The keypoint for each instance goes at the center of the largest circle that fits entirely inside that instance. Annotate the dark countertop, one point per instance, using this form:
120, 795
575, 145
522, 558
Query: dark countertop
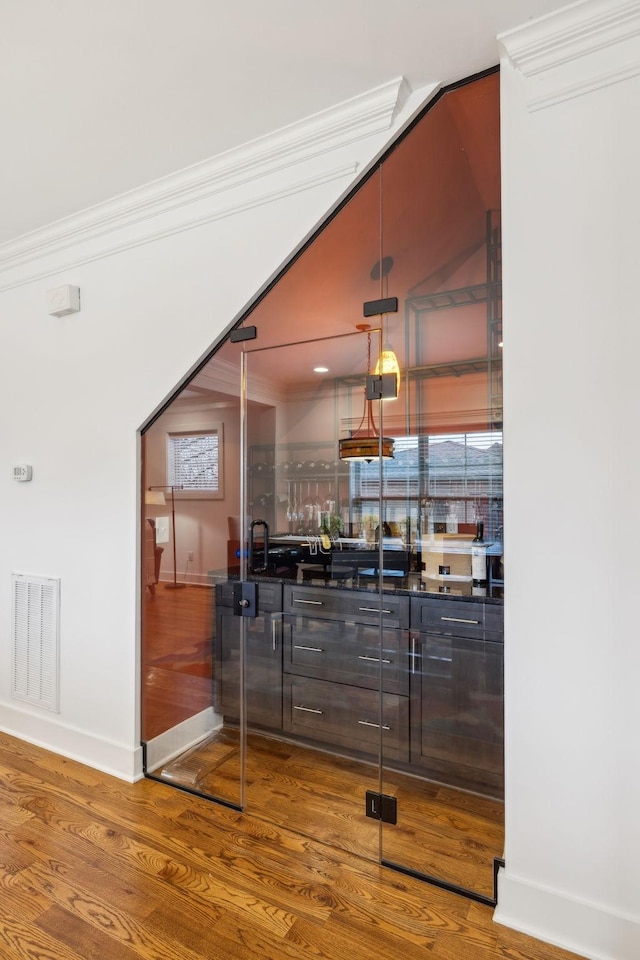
494, 594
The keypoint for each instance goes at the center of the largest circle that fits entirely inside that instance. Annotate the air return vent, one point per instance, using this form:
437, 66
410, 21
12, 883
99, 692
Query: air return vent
36, 622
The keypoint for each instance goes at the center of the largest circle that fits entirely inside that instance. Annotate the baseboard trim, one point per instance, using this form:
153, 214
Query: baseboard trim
576, 925
116, 759
170, 744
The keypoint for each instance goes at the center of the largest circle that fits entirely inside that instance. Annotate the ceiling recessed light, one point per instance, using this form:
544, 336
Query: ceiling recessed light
321, 369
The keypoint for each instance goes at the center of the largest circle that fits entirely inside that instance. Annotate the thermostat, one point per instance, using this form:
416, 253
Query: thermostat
22, 472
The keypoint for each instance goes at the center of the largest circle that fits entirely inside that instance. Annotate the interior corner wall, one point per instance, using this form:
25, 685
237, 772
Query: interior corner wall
571, 245
74, 392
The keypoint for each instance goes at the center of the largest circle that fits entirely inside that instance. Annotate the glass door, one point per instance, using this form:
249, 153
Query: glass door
354, 553
311, 639
191, 676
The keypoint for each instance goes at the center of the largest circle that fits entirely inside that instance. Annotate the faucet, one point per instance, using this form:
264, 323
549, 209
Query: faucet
252, 526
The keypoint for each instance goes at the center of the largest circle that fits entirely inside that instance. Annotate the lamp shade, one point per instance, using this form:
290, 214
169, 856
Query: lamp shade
365, 448
154, 498
388, 363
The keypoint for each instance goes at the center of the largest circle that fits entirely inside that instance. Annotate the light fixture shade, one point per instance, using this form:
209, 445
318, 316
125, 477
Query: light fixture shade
365, 449
154, 498
388, 363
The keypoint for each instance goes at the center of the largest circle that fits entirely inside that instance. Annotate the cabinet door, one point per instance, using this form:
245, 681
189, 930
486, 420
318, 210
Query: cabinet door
457, 712
263, 669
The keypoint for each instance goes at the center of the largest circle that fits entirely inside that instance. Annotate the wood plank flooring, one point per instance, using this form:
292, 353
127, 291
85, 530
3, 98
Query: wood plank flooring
177, 632
441, 831
92, 868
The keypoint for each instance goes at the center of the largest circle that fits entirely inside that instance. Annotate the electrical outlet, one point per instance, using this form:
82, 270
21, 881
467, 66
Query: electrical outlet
190, 555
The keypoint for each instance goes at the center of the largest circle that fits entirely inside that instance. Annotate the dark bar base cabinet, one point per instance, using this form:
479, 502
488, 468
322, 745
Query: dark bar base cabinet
457, 726
315, 665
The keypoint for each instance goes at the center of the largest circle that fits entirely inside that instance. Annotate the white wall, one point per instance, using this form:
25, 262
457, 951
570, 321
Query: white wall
161, 275
571, 231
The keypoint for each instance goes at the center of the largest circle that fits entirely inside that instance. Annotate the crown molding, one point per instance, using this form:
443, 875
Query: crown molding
579, 49
37, 267
360, 117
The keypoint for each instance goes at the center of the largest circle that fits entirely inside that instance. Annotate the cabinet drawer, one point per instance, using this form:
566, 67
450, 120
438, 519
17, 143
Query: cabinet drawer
353, 605
454, 618
347, 653
336, 713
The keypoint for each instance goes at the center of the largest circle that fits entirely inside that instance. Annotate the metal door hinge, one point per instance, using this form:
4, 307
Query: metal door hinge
243, 333
379, 806
381, 386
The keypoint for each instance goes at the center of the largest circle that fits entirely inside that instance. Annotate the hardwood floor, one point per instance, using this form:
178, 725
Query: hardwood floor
92, 868
177, 631
442, 832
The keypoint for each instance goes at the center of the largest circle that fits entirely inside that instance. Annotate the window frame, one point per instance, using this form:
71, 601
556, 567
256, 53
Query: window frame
196, 430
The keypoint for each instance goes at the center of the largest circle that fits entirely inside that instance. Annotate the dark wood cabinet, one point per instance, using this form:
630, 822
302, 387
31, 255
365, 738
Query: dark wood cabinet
430, 695
263, 673
457, 723
335, 665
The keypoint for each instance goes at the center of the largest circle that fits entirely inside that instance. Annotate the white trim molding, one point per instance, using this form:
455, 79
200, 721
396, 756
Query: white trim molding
204, 192
572, 924
579, 49
117, 759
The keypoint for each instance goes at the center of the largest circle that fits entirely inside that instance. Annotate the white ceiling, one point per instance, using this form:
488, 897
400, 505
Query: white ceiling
98, 97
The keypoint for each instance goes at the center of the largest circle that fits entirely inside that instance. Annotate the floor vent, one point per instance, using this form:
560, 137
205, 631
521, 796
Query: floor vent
36, 628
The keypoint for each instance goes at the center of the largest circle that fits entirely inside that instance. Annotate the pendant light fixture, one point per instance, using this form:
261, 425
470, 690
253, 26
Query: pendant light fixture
365, 444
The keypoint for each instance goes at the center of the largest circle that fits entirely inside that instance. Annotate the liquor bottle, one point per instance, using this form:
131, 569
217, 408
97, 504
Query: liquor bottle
479, 556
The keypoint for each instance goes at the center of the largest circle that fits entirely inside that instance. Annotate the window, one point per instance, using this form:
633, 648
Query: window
194, 462
442, 476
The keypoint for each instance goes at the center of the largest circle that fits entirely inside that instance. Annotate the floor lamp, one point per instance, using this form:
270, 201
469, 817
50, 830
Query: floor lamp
155, 496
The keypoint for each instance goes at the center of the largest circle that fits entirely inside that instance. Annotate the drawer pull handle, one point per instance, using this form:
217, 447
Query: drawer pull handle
314, 603
374, 659
373, 610
307, 709
299, 646
367, 723
460, 620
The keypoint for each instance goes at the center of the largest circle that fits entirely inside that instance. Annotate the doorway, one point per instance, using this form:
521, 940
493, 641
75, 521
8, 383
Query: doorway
347, 678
